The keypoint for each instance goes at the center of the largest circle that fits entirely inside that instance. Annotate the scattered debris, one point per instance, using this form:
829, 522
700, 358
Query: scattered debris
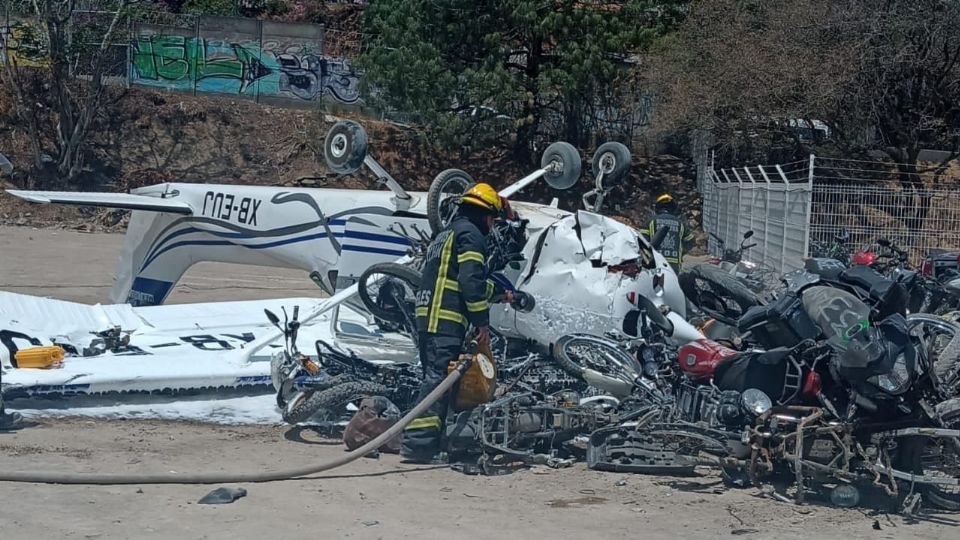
223, 495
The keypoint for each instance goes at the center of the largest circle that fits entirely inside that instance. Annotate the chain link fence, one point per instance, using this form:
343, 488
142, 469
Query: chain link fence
915, 206
793, 207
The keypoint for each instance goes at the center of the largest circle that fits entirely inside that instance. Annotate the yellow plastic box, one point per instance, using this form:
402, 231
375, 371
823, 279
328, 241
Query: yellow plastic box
39, 357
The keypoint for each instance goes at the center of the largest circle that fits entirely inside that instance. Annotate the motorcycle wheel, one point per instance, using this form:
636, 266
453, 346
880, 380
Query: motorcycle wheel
713, 290
443, 195
330, 401
368, 287
287, 394
941, 338
581, 354
934, 457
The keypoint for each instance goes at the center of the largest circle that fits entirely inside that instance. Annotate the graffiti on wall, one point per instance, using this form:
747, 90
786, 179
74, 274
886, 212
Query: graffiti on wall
208, 65
310, 76
23, 43
241, 67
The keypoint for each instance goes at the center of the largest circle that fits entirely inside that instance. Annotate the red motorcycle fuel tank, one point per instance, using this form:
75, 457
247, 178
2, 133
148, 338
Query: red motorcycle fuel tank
865, 258
698, 359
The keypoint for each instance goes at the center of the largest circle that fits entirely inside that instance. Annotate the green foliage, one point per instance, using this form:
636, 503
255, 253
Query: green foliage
462, 66
881, 78
211, 7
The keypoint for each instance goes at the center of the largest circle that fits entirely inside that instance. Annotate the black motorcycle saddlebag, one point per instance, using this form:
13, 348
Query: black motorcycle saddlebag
763, 370
888, 296
783, 323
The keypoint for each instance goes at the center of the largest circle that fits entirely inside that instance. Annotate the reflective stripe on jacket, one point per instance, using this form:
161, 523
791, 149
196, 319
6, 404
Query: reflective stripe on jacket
676, 242
454, 290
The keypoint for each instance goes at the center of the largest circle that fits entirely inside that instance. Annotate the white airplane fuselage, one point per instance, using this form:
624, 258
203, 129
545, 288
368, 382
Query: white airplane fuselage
339, 233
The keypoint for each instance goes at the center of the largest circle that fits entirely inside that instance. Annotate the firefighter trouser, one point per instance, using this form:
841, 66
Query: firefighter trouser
422, 438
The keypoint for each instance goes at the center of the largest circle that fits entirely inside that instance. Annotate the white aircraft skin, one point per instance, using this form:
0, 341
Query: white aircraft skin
338, 233
173, 347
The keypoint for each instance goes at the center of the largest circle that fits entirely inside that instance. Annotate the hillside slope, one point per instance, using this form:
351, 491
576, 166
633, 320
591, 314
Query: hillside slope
144, 137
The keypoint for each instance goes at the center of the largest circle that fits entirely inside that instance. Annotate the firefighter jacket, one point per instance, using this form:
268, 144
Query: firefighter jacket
455, 290
676, 242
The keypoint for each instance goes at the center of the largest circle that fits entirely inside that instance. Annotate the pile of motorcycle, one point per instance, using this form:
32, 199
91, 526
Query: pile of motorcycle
833, 388
541, 413
832, 384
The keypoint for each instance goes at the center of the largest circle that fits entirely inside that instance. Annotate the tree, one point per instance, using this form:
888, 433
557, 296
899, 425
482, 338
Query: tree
882, 75
80, 50
461, 66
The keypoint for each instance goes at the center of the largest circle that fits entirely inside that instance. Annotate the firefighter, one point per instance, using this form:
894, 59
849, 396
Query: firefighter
680, 237
454, 293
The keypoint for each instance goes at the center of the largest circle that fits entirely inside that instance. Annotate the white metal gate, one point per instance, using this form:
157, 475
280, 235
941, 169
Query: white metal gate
773, 201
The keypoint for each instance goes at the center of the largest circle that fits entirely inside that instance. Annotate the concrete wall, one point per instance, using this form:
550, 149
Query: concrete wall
266, 61
277, 63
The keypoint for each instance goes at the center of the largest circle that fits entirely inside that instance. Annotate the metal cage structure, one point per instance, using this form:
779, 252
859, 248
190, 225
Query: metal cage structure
791, 207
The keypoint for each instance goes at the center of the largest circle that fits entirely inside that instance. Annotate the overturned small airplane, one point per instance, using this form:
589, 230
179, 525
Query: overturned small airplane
583, 269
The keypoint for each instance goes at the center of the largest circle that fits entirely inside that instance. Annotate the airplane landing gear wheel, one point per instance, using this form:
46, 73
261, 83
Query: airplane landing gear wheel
613, 159
345, 147
563, 164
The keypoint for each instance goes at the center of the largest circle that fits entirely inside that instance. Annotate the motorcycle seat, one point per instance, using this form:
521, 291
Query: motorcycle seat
890, 297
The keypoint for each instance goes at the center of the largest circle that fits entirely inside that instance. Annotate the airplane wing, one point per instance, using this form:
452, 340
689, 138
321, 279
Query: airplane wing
174, 348
108, 200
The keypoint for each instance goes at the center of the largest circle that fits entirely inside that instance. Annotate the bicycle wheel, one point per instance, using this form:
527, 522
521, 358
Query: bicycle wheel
388, 291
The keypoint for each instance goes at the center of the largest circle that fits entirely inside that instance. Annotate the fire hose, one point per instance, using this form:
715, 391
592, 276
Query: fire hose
54, 477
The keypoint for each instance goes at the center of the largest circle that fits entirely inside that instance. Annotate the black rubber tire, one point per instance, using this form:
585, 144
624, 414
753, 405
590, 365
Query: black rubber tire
571, 366
345, 147
947, 362
947, 366
619, 169
572, 165
331, 399
440, 186
399, 271
910, 459
333, 381
722, 283
949, 413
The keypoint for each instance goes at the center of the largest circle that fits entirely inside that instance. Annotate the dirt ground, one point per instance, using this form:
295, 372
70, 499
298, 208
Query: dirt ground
369, 498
